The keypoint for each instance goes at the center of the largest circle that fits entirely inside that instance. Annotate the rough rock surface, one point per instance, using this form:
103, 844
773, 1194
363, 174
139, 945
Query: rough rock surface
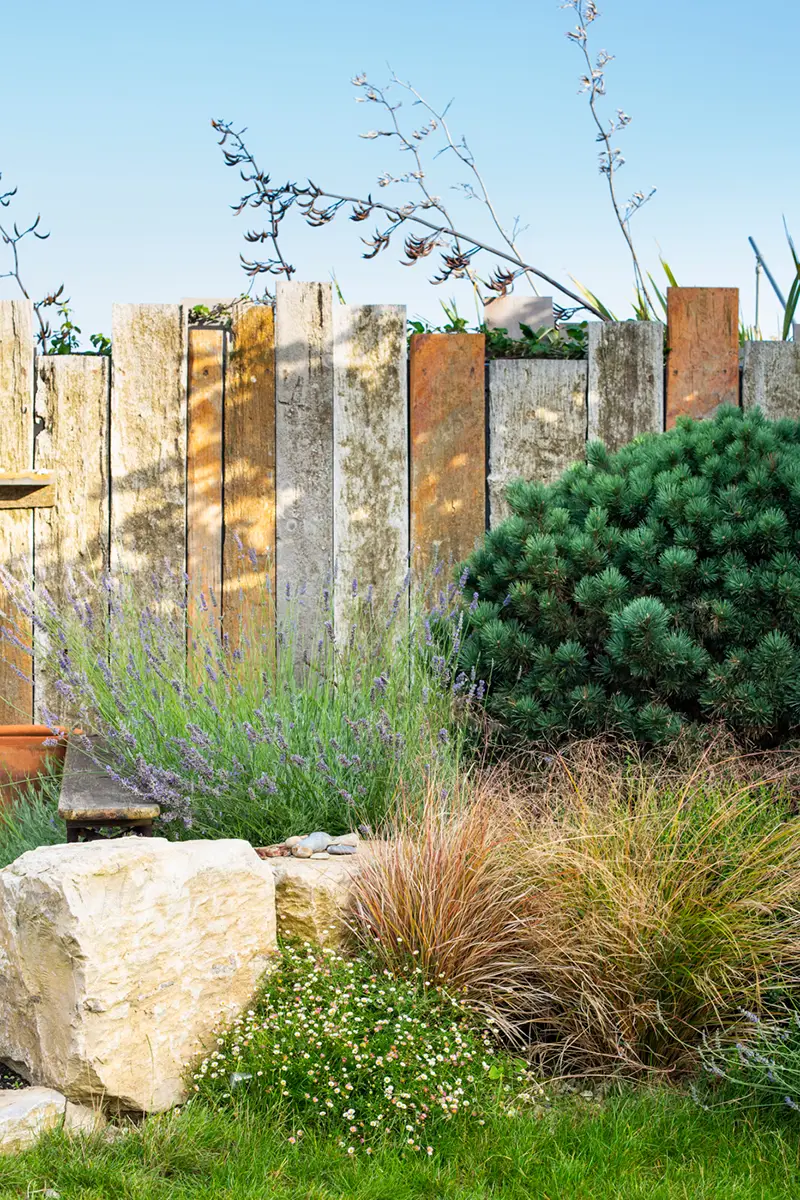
312, 895
119, 959
26, 1114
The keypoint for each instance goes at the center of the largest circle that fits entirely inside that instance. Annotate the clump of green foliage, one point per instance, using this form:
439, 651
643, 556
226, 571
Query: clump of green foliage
647, 589
342, 1046
563, 341
30, 818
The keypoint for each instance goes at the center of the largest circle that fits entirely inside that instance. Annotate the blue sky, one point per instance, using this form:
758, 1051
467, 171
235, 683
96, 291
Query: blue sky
107, 133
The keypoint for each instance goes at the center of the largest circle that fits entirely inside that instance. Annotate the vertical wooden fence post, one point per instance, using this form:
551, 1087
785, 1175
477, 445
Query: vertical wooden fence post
537, 423
249, 501
16, 525
148, 441
204, 474
771, 378
72, 397
304, 449
703, 354
448, 445
370, 452
626, 380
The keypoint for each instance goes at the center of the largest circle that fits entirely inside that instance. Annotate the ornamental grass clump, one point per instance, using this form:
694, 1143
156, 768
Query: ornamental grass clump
253, 729
648, 589
343, 1046
609, 912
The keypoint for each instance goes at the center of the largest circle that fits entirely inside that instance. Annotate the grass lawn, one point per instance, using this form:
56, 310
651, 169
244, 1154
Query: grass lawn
651, 1145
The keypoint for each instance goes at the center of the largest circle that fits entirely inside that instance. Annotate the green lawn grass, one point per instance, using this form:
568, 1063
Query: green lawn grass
649, 1145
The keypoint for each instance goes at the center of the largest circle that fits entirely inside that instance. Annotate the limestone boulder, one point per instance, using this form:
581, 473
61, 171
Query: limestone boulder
26, 1114
312, 895
120, 959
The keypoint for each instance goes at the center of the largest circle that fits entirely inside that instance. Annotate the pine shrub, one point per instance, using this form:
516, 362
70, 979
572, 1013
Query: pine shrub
648, 589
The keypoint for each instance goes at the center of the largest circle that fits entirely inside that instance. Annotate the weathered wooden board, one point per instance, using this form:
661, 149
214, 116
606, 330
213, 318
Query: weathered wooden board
771, 378
703, 351
148, 440
537, 423
204, 474
304, 449
249, 502
16, 526
626, 380
448, 445
72, 399
370, 453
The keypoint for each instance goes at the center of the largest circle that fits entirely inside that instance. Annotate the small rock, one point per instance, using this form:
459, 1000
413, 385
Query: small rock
320, 854
311, 844
26, 1114
293, 841
348, 839
273, 851
340, 848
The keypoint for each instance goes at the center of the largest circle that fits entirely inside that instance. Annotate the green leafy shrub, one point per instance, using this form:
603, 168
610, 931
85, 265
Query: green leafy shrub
649, 588
344, 1047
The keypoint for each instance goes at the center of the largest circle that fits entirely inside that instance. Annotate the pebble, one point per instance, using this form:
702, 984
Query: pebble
312, 844
342, 848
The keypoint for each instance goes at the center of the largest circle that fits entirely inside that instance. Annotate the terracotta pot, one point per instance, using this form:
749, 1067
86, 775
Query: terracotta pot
25, 755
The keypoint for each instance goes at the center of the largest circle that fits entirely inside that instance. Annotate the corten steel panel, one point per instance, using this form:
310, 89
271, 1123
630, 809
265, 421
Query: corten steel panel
448, 445
204, 473
249, 501
703, 358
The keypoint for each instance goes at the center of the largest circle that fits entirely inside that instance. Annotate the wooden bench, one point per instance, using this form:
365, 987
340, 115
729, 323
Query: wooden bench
93, 805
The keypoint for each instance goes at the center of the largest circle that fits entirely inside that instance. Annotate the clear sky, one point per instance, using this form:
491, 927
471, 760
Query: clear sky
106, 131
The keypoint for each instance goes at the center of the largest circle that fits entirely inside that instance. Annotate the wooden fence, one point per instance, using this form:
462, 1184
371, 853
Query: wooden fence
304, 434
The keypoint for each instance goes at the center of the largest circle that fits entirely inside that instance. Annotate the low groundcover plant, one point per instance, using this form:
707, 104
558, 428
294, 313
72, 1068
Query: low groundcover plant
342, 1046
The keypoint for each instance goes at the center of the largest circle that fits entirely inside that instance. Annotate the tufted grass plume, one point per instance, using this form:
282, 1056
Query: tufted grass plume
609, 910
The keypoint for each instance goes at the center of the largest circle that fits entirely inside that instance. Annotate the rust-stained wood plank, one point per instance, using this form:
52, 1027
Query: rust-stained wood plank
448, 445
370, 453
249, 501
626, 380
537, 423
304, 450
72, 398
771, 378
16, 526
204, 474
148, 440
703, 351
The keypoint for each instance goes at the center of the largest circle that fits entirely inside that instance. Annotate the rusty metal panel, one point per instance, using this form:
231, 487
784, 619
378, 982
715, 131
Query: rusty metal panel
703, 351
448, 445
249, 501
204, 472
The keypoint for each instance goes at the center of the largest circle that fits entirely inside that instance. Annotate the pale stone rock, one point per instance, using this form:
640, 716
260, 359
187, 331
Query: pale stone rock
119, 959
26, 1113
312, 895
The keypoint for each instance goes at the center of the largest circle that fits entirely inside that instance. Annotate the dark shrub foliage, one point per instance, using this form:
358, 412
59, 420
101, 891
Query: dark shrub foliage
648, 588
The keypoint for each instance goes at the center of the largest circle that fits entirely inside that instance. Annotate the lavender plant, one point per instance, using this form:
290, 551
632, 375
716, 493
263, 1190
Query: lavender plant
762, 1069
244, 735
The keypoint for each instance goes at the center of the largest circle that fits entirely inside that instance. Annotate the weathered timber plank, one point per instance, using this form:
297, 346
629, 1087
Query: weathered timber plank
72, 398
16, 526
626, 380
703, 354
448, 445
370, 453
771, 378
537, 423
507, 312
204, 474
249, 501
304, 449
148, 440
